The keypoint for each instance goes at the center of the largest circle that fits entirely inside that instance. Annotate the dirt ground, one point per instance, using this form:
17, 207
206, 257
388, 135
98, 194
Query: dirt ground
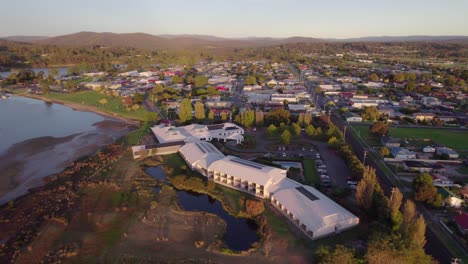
119, 220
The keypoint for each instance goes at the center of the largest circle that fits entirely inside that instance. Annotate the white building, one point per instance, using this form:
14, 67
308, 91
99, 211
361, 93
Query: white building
281, 97
311, 211
196, 132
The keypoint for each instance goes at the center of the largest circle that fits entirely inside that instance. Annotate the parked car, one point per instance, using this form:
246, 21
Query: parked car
322, 166
352, 187
317, 156
284, 155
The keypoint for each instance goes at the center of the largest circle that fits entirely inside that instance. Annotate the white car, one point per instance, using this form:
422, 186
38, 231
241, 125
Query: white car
284, 155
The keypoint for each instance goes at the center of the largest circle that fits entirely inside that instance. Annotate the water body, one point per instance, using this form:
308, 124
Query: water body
38, 139
24, 118
61, 70
289, 164
240, 234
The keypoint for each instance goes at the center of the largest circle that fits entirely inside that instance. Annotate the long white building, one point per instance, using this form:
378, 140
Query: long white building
196, 132
311, 211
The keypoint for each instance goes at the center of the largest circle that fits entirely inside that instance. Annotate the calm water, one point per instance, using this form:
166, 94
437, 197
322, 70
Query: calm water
240, 233
61, 71
25, 118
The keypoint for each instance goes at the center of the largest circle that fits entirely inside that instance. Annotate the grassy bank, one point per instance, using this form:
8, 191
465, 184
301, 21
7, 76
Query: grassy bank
90, 98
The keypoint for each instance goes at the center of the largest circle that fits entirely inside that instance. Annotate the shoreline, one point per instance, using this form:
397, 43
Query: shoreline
81, 108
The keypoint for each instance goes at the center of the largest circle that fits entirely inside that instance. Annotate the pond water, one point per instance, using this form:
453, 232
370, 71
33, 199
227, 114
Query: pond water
240, 234
288, 164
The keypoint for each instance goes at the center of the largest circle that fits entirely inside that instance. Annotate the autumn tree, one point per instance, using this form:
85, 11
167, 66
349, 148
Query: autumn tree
138, 98
199, 111
379, 129
185, 110
366, 187
370, 113
340, 254
259, 118
248, 118
394, 204
200, 81
277, 117
374, 77
250, 80
211, 115
310, 130
384, 151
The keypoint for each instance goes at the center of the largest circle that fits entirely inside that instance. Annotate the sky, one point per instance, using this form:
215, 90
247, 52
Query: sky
238, 18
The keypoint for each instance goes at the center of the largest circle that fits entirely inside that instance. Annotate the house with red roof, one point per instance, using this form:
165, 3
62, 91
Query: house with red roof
462, 222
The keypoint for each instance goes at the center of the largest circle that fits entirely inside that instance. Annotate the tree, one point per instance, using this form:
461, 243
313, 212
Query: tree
199, 111
341, 254
370, 113
399, 77
419, 232
177, 79
410, 87
424, 189
151, 116
271, 130
379, 129
384, 151
409, 216
138, 98
296, 129
259, 118
310, 130
285, 137
53, 72
45, 87
366, 187
277, 117
394, 204
410, 76
250, 80
374, 77
200, 81
223, 116
211, 115
248, 118
185, 110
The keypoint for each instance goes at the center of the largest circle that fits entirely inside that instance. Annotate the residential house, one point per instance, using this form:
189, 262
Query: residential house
390, 142
403, 154
424, 116
452, 154
352, 117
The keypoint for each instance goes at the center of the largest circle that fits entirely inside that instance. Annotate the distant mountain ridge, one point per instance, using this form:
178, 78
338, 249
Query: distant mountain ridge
148, 41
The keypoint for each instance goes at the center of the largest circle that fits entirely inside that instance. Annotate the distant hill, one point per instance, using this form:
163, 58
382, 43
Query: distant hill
185, 41
405, 39
147, 41
25, 39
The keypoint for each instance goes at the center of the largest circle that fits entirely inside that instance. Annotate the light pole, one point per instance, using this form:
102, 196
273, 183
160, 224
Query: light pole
344, 133
364, 160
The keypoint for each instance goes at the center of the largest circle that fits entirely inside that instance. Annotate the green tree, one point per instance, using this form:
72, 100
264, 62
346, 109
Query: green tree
296, 129
177, 79
248, 118
138, 98
185, 110
310, 130
341, 254
285, 137
379, 129
224, 116
53, 72
250, 80
399, 77
151, 116
199, 111
370, 113
45, 87
200, 81
424, 189
211, 115
272, 130
410, 87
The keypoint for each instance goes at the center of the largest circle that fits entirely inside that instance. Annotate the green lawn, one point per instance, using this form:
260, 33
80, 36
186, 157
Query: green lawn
450, 138
114, 104
310, 173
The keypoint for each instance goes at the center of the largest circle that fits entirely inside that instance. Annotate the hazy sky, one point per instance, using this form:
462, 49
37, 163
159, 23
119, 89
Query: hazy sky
238, 18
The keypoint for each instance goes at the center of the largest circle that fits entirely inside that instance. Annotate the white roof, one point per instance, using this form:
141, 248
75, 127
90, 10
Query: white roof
200, 153
314, 210
248, 170
166, 134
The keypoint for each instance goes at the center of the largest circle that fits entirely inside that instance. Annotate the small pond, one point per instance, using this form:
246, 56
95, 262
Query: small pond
240, 234
288, 164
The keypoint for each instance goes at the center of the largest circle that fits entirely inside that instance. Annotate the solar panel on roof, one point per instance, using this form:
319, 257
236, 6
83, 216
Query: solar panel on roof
248, 163
215, 127
306, 193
